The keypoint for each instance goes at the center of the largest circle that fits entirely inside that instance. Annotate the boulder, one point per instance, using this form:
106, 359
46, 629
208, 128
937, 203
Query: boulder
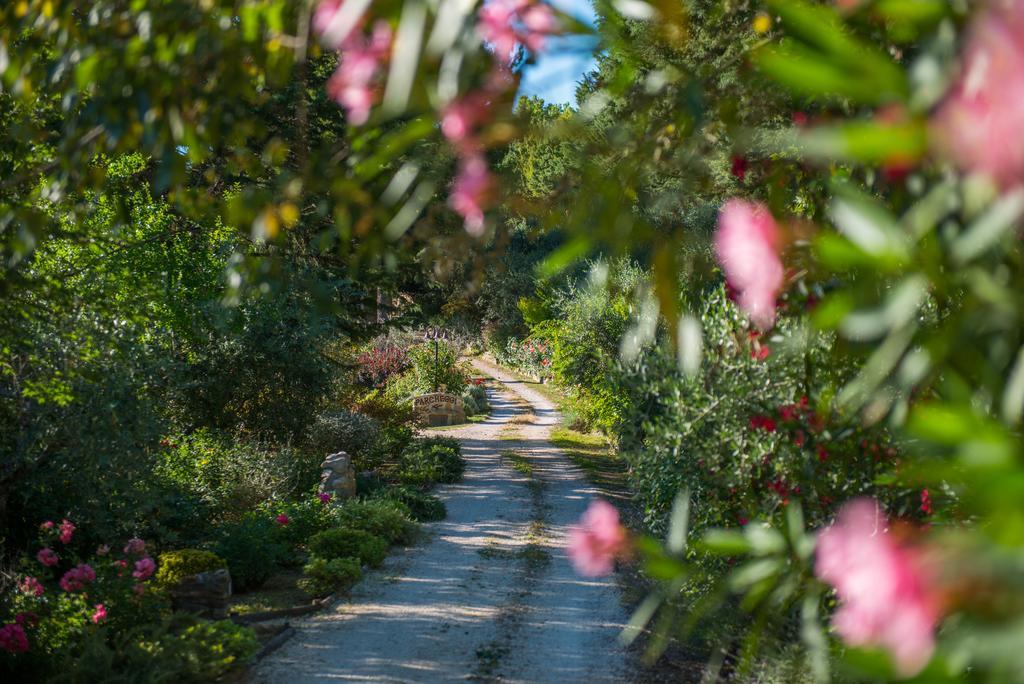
338, 477
206, 594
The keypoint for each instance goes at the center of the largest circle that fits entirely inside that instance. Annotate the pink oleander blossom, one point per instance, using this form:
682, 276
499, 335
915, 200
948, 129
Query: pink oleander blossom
135, 547
47, 557
353, 85
328, 25
747, 246
13, 638
30, 586
506, 24
99, 613
76, 578
596, 541
978, 126
471, 192
882, 585
144, 569
67, 529
461, 117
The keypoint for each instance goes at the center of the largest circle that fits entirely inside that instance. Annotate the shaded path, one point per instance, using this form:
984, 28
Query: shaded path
488, 595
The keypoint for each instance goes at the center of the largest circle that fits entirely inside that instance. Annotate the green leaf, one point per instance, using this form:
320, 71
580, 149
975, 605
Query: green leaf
725, 542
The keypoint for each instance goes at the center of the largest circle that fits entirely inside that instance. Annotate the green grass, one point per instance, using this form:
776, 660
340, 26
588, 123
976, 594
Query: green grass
519, 462
595, 456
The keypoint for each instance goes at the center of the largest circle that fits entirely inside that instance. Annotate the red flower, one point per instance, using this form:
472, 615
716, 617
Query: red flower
926, 502
282, 519
822, 453
739, 167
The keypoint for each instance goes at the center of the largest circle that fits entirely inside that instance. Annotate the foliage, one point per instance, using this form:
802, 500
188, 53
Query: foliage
422, 507
381, 518
323, 576
175, 566
380, 362
346, 431
435, 367
252, 549
431, 460
339, 542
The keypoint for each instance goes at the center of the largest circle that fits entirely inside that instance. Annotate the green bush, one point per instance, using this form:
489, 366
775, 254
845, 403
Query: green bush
175, 566
438, 372
252, 548
342, 431
387, 519
324, 576
431, 460
306, 517
390, 442
340, 542
422, 506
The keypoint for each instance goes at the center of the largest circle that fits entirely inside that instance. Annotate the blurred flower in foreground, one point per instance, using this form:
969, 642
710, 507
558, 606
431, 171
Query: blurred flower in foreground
979, 124
470, 191
353, 84
596, 541
508, 23
882, 586
746, 245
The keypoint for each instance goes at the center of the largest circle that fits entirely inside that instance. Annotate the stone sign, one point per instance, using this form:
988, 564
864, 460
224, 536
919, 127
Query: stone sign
438, 408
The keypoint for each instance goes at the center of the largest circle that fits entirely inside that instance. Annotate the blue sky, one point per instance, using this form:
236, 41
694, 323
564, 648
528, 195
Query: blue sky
563, 63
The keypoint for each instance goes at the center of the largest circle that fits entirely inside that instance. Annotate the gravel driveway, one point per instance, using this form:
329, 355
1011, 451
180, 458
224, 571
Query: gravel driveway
488, 594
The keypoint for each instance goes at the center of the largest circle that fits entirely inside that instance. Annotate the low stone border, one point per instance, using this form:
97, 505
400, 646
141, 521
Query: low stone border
294, 611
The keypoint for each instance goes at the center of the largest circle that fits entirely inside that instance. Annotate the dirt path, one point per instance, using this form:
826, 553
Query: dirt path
489, 594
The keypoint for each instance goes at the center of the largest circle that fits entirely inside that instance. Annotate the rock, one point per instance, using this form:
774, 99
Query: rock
338, 477
206, 594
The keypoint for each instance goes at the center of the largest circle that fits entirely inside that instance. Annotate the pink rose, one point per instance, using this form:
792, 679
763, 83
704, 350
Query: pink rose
282, 519
883, 587
470, 193
747, 246
144, 569
99, 614
31, 587
48, 525
47, 557
597, 540
13, 639
67, 528
979, 123
135, 547
76, 578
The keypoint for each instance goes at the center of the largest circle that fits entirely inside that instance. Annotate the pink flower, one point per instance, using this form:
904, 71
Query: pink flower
144, 569
979, 124
47, 557
505, 24
135, 547
76, 578
282, 519
882, 586
746, 245
67, 528
470, 193
13, 639
462, 116
353, 83
48, 525
325, 25
31, 587
100, 614
324, 497
597, 540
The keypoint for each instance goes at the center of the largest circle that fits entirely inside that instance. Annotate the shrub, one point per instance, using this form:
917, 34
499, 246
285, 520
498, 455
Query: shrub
440, 371
175, 566
422, 507
252, 549
388, 412
369, 483
381, 362
340, 542
306, 517
390, 443
431, 460
343, 431
469, 405
324, 576
387, 519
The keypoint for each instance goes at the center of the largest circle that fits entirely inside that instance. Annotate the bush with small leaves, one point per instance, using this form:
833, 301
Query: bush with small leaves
324, 576
340, 542
177, 565
427, 461
422, 506
387, 519
252, 549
